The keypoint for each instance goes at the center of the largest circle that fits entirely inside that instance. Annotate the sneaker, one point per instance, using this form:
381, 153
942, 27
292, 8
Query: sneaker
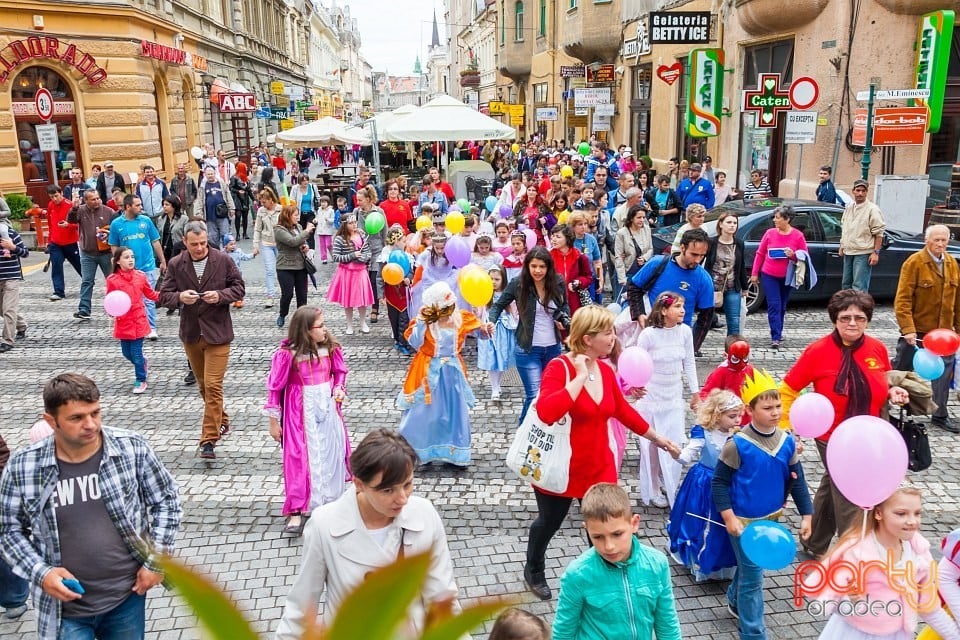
224, 430
190, 378
364, 328
660, 501
268, 304
407, 350
55, 297
21, 334
207, 452
153, 336
139, 387
349, 330
80, 315
732, 610
4, 347
15, 612
280, 321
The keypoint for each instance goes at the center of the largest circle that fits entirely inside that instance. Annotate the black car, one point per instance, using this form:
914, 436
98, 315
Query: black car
820, 224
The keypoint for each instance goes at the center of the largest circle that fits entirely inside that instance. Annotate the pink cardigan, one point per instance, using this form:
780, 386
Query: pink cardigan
773, 239
879, 589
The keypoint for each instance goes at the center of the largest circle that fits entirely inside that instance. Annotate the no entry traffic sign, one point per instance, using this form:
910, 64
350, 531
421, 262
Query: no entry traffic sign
804, 93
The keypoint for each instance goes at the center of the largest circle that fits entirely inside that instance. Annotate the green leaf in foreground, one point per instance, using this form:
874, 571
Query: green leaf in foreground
213, 608
375, 608
465, 622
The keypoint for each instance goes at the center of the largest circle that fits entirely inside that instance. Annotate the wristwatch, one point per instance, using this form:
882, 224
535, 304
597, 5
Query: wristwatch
876, 251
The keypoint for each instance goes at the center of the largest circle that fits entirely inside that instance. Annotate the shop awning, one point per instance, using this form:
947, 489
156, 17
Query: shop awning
217, 87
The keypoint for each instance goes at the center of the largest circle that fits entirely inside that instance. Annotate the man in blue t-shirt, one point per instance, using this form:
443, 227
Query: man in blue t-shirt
683, 274
696, 189
138, 233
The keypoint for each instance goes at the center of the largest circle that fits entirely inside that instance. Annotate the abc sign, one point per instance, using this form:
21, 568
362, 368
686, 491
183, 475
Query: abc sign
237, 102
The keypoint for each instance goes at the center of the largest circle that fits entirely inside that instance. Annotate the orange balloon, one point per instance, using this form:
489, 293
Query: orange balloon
392, 273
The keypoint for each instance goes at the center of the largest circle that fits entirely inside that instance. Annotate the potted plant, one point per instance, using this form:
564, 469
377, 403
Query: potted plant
470, 76
19, 205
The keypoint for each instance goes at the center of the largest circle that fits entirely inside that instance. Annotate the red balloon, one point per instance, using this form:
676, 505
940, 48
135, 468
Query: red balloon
942, 342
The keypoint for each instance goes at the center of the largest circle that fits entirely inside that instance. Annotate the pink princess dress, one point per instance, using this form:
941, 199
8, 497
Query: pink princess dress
316, 448
350, 286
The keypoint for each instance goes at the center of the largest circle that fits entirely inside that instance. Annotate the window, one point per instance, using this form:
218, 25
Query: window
518, 36
801, 221
503, 22
540, 93
830, 221
542, 29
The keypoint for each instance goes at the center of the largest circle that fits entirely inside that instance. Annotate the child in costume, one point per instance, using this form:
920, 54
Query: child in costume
892, 533
670, 344
948, 573
501, 241
397, 295
732, 372
758, 468
513, 263
432, 267
497, 354
483, 254
436, 398
704, 546
350, 286
306, 387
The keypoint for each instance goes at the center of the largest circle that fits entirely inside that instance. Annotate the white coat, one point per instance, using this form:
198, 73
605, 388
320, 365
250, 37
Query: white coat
338, 553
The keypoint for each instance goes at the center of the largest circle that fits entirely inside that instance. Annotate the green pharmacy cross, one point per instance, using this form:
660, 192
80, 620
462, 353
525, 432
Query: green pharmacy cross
767, 100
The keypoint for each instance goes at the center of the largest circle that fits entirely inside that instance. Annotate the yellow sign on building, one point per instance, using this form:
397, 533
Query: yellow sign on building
497, 108
276, 88
286, 124
516, 119
516, 111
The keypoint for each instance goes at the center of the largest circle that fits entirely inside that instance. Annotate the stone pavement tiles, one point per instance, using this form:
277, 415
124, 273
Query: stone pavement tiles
231, 525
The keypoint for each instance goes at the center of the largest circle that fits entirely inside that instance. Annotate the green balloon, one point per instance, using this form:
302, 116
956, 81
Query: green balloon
374, 222
584, 149
464, 205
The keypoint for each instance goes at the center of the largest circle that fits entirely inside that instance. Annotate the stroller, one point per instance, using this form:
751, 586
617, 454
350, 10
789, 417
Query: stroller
904, 417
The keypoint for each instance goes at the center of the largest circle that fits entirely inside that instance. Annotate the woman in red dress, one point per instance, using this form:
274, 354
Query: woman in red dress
532, 210
584, 387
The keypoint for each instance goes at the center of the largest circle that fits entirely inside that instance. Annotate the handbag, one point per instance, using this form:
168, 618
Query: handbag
540, 452
918, 444
222, 211
585, 299
309, 266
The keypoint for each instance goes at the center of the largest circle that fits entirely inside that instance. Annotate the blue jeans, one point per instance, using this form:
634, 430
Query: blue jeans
133, 351
59, 253
745, 594
88, 275
216, 229
731, 311
530, 366
150, 304
13, 589
856, 272
777, 293
126, 621
269, 268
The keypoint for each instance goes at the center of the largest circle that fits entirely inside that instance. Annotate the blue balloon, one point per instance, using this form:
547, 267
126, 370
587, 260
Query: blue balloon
928, 366
491, 203
768, 544
400, 259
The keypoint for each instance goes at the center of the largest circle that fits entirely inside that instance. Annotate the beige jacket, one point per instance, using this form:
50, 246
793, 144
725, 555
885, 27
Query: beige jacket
861, 223
263, 227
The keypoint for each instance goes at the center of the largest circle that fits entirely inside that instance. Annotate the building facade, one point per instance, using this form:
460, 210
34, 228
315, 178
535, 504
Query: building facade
324, 63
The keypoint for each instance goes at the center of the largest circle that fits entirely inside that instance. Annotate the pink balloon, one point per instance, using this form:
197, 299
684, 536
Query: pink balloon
458, 252
116, 303
811, 415
867, 460
40, 430
635, 366
531, 237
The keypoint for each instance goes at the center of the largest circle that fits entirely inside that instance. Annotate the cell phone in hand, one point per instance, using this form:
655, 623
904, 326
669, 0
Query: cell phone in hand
74, 585
779, 253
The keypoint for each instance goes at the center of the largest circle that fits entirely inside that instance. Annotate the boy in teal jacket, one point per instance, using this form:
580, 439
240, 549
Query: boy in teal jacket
619, 589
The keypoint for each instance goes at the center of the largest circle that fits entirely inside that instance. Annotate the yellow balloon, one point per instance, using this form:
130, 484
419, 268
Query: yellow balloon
515, 148
455, 222
466, 271
928, 634
566, 171
424, 222
477, 288
562, 218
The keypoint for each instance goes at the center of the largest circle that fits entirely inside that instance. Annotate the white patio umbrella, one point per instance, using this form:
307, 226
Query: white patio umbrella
445, 118
387, 119
324, 131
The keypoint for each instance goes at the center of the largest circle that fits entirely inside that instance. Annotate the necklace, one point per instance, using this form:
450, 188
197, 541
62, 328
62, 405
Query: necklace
591, 377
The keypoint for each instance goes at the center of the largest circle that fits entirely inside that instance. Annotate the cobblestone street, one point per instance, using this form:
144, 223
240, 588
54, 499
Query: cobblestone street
232, 523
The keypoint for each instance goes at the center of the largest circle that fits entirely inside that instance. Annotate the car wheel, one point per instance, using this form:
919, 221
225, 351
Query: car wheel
754, 298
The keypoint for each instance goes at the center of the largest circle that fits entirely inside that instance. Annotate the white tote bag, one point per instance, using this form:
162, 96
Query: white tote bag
540, 452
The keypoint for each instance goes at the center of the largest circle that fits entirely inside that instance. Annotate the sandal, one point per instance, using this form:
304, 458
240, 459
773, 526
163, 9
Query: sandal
294, 528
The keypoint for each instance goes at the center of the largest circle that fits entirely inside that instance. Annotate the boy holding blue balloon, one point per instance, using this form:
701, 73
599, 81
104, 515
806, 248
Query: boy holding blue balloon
758, 468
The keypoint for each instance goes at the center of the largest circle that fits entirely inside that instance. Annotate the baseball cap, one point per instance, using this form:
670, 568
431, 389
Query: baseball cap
108, 163
861, 183
708, 159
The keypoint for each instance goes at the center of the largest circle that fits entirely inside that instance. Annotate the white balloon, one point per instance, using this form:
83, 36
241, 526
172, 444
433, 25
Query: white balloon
196, 152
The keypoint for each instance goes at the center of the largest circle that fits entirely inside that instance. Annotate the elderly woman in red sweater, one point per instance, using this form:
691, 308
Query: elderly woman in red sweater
584, 387
571, 264
850, 369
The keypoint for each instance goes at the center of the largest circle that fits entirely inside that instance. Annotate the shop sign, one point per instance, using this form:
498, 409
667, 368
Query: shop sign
295, 93
934, 39
276, 88
279, 114
47, 137
516, 119
680, 27
705, 93
670, 74
65, 108
591, 97
600, 123
891, 126
801, 127
262, 112
576, 117
606, 110
309, 115
547, 114
643, 37
768, 100
497, 108
602, 74
172, 55
287, 123
237, 102
516, 110
49, 48
573, 71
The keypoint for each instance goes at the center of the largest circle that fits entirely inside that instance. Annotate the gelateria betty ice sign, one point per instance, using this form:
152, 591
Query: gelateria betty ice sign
22, 51
705, 93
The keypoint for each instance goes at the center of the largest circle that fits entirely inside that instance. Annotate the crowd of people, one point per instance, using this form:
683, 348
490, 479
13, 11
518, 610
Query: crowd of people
565, 233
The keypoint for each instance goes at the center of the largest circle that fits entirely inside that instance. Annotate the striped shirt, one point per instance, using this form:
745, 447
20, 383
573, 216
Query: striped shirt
10, 258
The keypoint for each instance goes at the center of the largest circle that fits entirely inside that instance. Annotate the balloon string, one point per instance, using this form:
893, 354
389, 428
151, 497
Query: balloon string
863, 527
707, 519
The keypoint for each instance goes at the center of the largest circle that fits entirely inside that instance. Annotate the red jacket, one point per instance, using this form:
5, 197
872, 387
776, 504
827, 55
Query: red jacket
61, 236
447, 190
573, 267
133, 324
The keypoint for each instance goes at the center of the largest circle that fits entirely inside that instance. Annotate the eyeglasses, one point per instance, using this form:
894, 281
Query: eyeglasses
847, 319
394, 189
